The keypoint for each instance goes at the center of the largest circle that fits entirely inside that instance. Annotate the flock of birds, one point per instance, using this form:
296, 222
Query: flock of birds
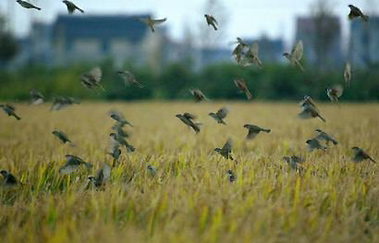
243, 54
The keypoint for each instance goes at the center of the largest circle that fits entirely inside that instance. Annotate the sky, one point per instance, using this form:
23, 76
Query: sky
244, 18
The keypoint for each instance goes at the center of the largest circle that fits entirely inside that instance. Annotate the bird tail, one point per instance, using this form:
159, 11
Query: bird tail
267, 130
37, 8
334, 142
17, 117
248, 95
214, 27
81, 10
300, 66
322, 118
372, 160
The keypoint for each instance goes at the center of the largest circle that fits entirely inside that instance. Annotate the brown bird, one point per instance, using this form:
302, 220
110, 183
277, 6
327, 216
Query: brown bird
239, 50
92, 79
9, 179
324, 136
254, 131
187, 118
347, 73
36, 97
103, 175
314, 144
71, 7
151, 22
72, 164
294, 162
129, 78
220, 115
198, 95
295, 55
309, 109
10, 110
232, 177
360, 155
356, 13
62, 102
335, 92
27, 5
226, 150
242, 86
211, 21
253, 55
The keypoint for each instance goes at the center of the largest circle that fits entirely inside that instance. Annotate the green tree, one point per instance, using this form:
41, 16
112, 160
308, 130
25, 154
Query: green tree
8, 45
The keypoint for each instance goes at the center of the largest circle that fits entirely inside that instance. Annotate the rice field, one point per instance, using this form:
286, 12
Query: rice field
191, 198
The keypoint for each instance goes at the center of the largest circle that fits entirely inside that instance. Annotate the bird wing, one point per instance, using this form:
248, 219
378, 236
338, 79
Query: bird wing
255, 49
222, 113
297, 52
189, 116
158, 21
306, 113
252, 133
105, 173
96, 74
213, 19
68, 169
228, 145
338, 90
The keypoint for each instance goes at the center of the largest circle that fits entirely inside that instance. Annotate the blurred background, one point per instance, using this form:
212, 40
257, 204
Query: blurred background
48, 50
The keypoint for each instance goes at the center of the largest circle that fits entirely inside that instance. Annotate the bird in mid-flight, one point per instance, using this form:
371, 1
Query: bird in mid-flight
198, 95
187, 118
220, 115
335, 92
27, 5
226, 150
356, 13
129, 78
9, 179
151, 22
314, 144
347, 73
242, 86
72, 164
254, 131
232, 176
252, 55
10, 110
360, 155
309, 109
98, 181
119, 117
326, 137
296, 54
36, 97
92, 79
211, 21
63, 137
71, 7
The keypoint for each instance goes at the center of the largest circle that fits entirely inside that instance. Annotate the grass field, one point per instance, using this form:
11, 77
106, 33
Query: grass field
191, 199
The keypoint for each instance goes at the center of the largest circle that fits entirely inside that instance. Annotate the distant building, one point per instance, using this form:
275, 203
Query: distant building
270, 50
364, 42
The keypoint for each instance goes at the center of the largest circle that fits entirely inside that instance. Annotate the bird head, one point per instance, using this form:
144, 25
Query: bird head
218, 150
286, 54
246, 126
318, 130
178, 115
230, 172
65, 1
91, 178
4, 173
350, 6
309, 141
55, 132
355, 148
19, 1
113, 135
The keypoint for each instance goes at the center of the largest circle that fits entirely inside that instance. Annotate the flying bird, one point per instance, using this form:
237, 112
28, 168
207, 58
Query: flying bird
326, 137
313, 144
62, 102
10, 110
118, 129
226, 150
239, 50
114, 138
9, 179
294, 162
115, 152
71, 7
151, 22
220, 115
347, 73
335, 92
36, 97
129, 79
232, 176
72, 164
98, 181
211, 21
92, 79
198, 95
187, 119
253, 55
360, 155
27, 5
119, 117
242, 86
309, 109
356, 13
63, 137
296, 54
254, 131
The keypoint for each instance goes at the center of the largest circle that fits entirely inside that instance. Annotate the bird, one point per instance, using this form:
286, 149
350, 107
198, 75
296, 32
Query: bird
347, 73
114, 138
9, 179
71, 7
92, 79
324, 136
309, 109
187, 119
308, 101
226, 150
231, 175
103, 175
220, 115
115, 152
356, 13
360, 155
63, 137
335, 92
119, 117
151, 22
72, 164
198, 95
254, 131
314, 144
27, 5
62, 102
294, 162
152, 170
239, 50
129, 78
36, 97
296, 54
253, 55
242, 86
10, 110
118, 129
211, 21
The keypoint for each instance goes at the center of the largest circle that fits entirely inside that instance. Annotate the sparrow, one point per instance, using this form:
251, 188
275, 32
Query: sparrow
114, 138
220, 115
118, 129
335, 92
254, 130
211, 21
347, 73
239, 50
295, 55
103, 175
62, 102
309, 109
151, 22
115, 152
72, 164
27, 5
187, 118
253, 55
356, 13
232, 177
242, 86
294, 162
314, 144
129, 78
119, 117
152, 170
9, 179
198, 95
324, 136
63, 137
71, 7
307, 101
92, 79
36, 97
360, 155
226, 150
10, 110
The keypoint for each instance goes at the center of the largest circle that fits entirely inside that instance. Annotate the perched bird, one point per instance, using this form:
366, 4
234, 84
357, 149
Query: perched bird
356, 13
295, 55
27, 5
239, 50
9, 179
92, 79
211, 21
119, 117
314, 144
335, 92
129, 78
242, 86
62, 102
103, 175
10, 110
253, 55
254, 131
198, 95
187, 118
72, 164
151, 22
71, 7
294, 162
152, 170
36, 97
232, 177
220, 115
347, 73
226, 150
63, 137
326, 137
309, 109
360, 155
114, 138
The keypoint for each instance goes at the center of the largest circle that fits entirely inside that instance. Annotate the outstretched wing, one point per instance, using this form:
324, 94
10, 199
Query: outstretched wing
213, 19
297, 52
158, 21
222, 113
228, 145
96, 74
338, 90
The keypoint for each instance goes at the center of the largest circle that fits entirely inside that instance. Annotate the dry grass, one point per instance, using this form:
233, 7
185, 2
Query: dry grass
191, 199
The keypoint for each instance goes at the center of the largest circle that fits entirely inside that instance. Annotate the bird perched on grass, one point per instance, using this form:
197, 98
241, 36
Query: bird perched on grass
226, 150
347, 73
63, 137
187, 119
242, 86
313, 144
91, 79
152, 170
254, 131
239, 50
356, 13
294, 162
211, 21
129, 79
309, 109
198, 95
252, 55
27, 5
98, 181
10, 110
71, 7
72, 164
360, 155
232, 177
9, 179
220, 115
62, 102
335, 92
36, 97
151, 23
326, 137
114, 138
296, 54
119, 117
